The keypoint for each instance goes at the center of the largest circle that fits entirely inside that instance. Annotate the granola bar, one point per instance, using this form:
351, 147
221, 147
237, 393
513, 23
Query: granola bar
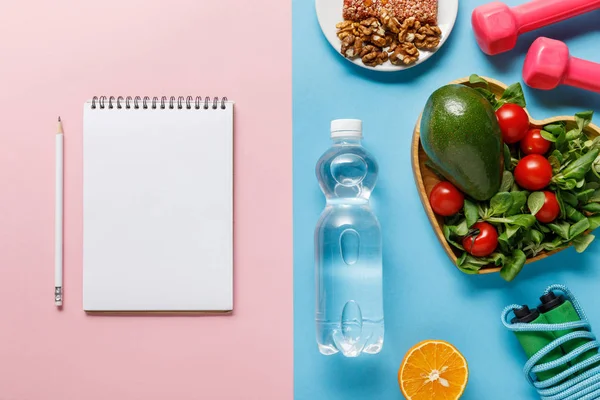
424, 11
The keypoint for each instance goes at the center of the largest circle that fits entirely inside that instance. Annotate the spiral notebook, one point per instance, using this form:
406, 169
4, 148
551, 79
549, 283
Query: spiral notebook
158, 204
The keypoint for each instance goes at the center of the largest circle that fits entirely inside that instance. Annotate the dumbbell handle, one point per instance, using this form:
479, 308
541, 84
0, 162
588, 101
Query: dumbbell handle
538, 13
583, 74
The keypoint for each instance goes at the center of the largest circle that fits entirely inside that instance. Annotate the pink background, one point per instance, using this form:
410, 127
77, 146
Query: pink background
54, 56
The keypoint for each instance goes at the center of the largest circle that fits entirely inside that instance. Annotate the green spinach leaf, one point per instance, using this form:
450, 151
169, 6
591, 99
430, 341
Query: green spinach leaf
452, 231
594, 208
449, 237
594, 222
568, 184
471, 213
507, 158
595, 197
519, 200
582, 242
555, 163
561, 228
555, 129
569, 198
583, 119
555, 244
573, 214
498, 259
573, 134
558, 156
501, 203
475, 79
489, 96
548, 136
543, 228
536, 201
469, 269
514, 94
523, 220
482, 261
504, 242
584, 195
507, 181
577, 169
511, 230
561, 205
513, 265
578, 228
534, 236
561, 140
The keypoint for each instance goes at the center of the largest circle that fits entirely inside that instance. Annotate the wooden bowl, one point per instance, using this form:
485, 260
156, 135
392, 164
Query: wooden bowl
426, 179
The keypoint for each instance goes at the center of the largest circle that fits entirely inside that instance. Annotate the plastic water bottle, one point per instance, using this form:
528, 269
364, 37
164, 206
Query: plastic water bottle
349, 315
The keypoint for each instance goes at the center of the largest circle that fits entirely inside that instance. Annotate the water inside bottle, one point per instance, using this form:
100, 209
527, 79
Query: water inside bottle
349, 314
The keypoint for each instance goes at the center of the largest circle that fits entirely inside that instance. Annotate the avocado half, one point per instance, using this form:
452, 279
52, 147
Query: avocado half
461, 136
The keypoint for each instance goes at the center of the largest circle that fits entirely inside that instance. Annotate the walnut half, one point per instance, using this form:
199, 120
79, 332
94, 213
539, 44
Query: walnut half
428, 37
351, 46
404, 54
391, 23
409, 28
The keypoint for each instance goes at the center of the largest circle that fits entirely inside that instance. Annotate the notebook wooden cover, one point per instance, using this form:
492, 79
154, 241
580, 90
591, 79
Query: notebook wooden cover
158, 205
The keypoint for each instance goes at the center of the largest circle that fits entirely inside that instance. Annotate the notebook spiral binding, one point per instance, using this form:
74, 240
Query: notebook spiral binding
181, 102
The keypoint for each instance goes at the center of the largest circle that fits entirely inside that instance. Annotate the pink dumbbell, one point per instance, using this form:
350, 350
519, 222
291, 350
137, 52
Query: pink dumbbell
497, 26
548, 64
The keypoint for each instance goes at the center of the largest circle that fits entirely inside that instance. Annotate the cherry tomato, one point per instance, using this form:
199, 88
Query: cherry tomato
534, 143
483, 243
513, 121
446, 199
549, 212
533, 172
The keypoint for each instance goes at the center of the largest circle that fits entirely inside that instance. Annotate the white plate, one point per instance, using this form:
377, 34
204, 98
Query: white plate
329, 13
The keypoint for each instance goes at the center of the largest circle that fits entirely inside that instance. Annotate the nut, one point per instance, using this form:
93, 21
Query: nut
428, 37
372, 22
391, 23
377, 40
352, 47
409, 28
343, 25
348, 49
430, 30
390, 39
358, 45
370, 59
345, 28
404, 54
363, 30
368, 49
375, 58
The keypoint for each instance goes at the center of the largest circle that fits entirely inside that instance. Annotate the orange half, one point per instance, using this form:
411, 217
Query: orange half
433, 369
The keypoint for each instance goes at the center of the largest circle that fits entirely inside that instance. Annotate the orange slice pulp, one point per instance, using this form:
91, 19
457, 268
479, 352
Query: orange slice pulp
433, 369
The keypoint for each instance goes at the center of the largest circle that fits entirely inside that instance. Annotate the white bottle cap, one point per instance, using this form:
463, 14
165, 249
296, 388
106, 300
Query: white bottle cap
346, 128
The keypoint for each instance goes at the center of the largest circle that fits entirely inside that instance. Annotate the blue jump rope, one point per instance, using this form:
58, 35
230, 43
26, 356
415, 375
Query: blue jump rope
568, 366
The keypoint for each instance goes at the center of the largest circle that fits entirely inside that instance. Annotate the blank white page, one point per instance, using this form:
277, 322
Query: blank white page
158, 209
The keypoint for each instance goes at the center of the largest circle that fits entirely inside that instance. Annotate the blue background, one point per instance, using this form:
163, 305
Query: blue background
425, 296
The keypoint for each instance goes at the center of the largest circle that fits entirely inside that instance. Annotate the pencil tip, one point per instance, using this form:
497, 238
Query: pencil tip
59, 118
